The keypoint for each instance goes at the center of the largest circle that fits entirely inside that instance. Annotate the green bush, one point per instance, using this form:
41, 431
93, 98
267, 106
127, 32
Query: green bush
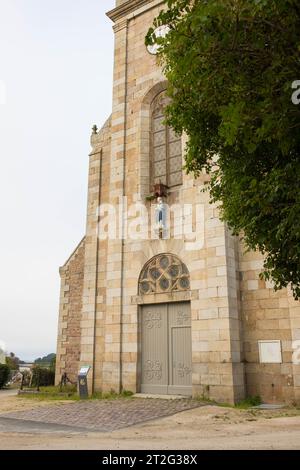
4, 374
249, 402
53, 364
42, 376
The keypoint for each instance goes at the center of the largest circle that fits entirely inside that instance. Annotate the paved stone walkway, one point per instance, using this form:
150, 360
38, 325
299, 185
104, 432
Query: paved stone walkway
104, 415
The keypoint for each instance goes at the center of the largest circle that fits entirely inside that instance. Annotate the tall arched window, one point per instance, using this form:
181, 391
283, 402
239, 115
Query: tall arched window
166, 147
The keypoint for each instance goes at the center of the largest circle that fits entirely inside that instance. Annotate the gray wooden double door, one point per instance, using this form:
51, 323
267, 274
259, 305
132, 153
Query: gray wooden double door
166, 349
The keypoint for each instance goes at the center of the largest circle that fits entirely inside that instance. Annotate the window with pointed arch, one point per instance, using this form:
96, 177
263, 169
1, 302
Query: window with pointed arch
166, 147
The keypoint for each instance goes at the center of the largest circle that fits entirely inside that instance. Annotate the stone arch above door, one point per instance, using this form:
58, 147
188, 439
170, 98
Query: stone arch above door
164, 273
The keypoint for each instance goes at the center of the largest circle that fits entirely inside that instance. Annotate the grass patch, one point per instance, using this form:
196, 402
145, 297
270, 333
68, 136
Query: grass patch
111, 395
206, 400
56, 389
245, 404
69, 392
242, 405
249, 403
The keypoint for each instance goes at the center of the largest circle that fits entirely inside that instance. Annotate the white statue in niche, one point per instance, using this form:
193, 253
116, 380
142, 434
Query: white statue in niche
161, 218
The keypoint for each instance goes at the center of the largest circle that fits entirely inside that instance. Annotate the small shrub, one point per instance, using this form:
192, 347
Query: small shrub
4, 374
42, 376
249, 402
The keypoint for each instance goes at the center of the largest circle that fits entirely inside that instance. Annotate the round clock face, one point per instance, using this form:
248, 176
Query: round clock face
160, 32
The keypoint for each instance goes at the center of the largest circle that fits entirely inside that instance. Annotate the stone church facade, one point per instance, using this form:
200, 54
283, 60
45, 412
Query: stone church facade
158, 312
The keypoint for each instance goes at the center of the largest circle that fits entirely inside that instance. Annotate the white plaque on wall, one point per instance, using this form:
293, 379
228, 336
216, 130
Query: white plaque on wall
270, 352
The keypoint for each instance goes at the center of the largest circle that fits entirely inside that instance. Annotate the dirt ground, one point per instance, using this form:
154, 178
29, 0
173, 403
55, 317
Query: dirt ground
208, 427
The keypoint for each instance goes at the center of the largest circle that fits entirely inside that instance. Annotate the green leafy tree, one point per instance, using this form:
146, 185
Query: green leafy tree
12, 361
53, 363
42, 376
231, 65
45, 359
4, 374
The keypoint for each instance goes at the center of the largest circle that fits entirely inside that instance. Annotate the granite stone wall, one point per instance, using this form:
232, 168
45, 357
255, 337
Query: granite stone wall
69, 330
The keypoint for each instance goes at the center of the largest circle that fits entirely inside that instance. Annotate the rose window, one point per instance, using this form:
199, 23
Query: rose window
164, 273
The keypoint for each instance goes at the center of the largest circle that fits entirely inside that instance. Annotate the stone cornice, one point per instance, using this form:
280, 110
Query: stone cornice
120, 25
126, 8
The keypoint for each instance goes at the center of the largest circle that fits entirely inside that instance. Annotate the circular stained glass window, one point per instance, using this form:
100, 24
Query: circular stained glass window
144, 287
155, 273
173, 270
164, 284
164, 262
184, 283
164, 273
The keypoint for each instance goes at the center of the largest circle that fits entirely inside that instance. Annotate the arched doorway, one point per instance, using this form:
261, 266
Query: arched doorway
166, 345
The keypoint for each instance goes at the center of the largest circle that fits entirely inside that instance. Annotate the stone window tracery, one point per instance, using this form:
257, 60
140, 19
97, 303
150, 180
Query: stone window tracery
164, 273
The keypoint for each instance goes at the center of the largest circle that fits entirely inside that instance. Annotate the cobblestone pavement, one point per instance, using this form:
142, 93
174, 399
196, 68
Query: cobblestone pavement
104, 415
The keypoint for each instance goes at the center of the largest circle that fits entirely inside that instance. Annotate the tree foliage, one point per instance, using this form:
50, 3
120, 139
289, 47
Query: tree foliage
42, 376
12, 361
53, 363
45, 359
4, 374
230, 65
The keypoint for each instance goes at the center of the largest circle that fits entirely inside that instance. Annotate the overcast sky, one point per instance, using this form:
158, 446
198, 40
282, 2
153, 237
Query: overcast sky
56, 61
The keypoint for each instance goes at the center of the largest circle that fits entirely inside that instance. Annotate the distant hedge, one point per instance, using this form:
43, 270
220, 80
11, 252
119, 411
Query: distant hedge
4, 374
42, 376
